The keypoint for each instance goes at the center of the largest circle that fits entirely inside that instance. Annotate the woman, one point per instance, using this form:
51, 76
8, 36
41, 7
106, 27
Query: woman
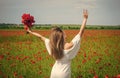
62, 52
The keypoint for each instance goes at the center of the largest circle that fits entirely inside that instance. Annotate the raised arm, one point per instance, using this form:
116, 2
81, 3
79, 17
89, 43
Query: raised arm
85, 15
36, 34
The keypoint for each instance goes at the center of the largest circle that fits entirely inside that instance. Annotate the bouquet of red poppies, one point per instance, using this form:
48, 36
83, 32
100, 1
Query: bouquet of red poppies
27, 20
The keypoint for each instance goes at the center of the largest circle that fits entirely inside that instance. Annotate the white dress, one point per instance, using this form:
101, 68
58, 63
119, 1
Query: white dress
62, 67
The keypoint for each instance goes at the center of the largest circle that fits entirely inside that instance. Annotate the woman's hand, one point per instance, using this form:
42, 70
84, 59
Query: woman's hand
85, 14
27, 28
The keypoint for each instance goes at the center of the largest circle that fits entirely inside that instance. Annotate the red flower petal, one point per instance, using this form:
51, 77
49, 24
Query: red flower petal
28, 20
84, 61
1, 57
106, 76
95, 76
118, 76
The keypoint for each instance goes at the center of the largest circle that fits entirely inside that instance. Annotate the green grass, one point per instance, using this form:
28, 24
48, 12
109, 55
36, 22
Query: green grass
25, 56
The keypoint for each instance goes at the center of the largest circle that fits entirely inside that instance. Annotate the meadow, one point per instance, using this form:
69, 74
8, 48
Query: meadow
25, 56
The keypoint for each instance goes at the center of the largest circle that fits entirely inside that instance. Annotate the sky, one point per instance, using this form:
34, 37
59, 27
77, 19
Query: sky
101, 12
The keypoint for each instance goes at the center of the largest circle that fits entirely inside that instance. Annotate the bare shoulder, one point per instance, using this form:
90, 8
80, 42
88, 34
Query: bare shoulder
68, 45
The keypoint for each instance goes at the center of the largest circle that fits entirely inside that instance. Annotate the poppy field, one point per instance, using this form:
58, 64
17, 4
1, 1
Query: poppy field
25, 56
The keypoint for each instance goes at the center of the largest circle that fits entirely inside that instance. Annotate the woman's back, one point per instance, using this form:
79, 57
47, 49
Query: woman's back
62, 67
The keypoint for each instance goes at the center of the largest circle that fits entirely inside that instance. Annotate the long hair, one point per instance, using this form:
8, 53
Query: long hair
57, 43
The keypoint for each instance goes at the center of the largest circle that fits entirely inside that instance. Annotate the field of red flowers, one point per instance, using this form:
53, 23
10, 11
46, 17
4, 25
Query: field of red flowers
24, 56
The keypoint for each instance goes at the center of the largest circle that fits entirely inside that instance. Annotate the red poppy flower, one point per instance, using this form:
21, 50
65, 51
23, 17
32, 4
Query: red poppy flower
39, 72
84, 61
95, 76
33, 62
1, 72
92, 71
118, 76
15, 74
1, 57
20, 76
51, 65
39, 58
106, 76
27, 20
98, 60
84, 54
44, 51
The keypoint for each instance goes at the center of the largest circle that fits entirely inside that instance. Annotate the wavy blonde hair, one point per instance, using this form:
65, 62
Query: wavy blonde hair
57, 43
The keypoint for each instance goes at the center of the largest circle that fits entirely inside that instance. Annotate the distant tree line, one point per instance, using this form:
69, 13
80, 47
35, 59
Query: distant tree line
63, 26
